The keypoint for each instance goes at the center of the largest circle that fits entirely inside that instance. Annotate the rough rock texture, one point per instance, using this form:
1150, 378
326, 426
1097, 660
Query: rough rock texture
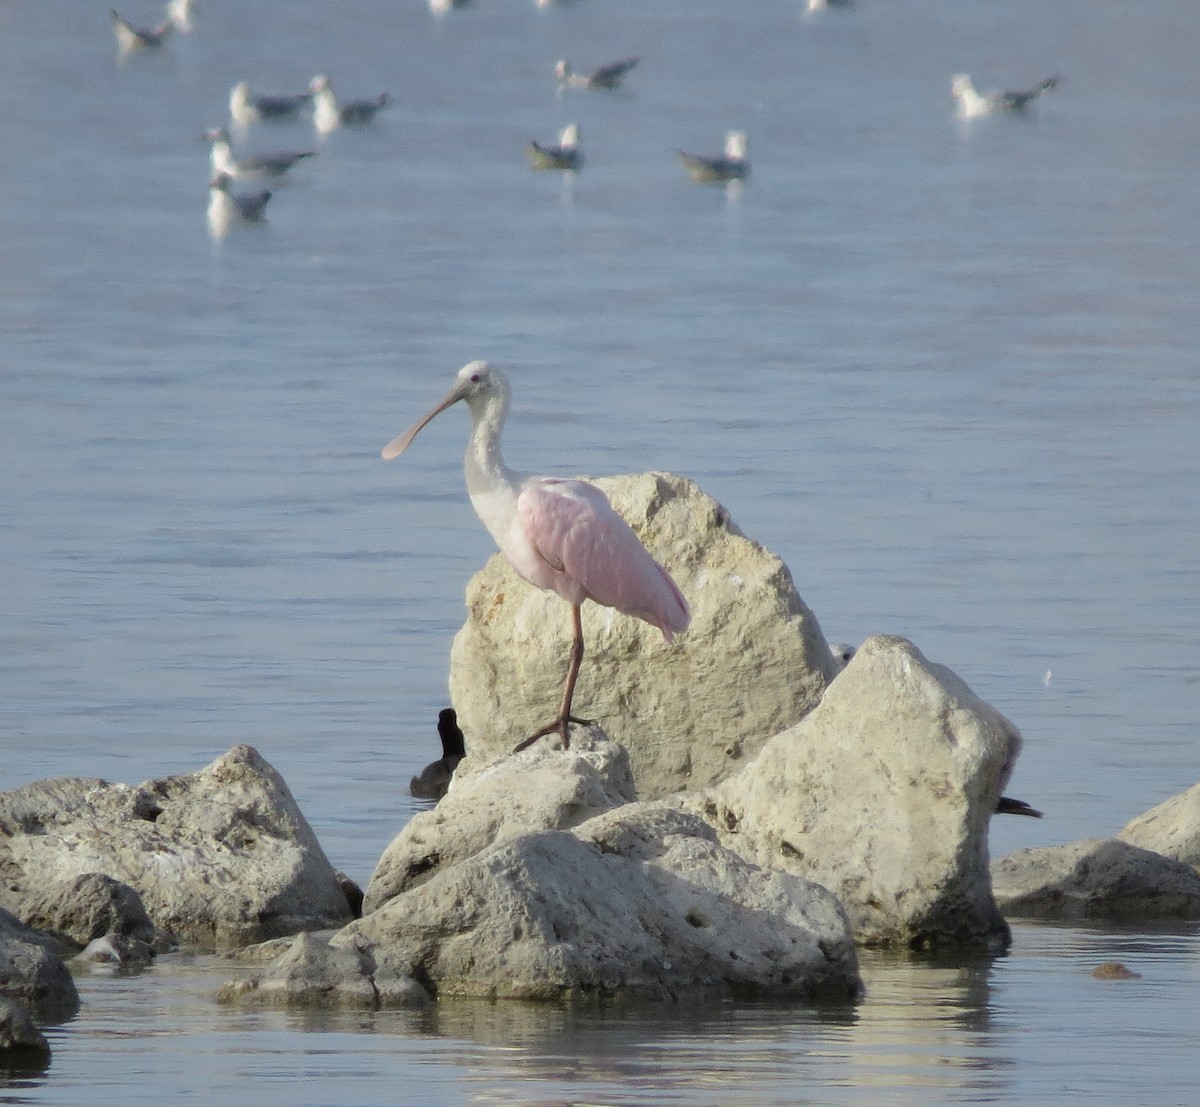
753, 662
312, 973
219, 857
89, 906
1172, 828
883, 795
32, 973
641, 902
23, 1047
540, 789
1095, 878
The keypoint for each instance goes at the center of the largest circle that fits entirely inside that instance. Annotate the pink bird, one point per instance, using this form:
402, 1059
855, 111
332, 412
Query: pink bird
559, 535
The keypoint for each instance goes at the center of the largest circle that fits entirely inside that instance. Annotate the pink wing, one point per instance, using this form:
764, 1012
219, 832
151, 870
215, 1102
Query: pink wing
596, 555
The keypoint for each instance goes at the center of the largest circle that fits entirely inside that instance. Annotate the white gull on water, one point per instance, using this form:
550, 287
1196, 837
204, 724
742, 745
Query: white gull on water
247, 107
331, 114
732, 165
972, 103
565, 155
274, 164
227, 208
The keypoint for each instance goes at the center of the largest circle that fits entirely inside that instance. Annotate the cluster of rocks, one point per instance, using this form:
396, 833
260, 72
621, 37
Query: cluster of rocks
749, 809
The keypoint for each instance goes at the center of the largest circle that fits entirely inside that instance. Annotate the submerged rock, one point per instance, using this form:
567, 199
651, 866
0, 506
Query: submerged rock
219, 857
1093, 879
23, 1047
883, 794
753, 661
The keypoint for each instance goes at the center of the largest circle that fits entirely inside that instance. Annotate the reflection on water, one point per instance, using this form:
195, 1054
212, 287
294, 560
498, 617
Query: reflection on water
1020, 1028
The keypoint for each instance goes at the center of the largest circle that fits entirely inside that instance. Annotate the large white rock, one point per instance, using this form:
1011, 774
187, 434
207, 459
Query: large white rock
882, 794
753, 662
640, 902
539, 789
219, 857
1172, 828
1096, 878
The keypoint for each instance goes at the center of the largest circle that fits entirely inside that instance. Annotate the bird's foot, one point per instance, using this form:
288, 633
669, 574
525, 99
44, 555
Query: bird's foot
560, 726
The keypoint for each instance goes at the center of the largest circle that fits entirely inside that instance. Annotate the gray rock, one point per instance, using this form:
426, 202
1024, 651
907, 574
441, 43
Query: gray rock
220, 857
539, 789
312, 973
32, 972
1172, 828
23, 1047
1097, 878
89, 906
883, 794
753, 661
640, 902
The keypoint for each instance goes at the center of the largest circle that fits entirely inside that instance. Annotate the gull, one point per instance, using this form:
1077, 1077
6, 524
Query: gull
255, 165
246, 107
972, 104
560, 536
130, 38
227, 208
607, 76
180, 13
565, 155
330, 114
729, 166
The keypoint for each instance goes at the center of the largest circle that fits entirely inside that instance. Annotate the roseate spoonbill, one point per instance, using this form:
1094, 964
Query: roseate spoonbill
433, 780
607, 76
729, 166
248, 107
566, 155
559, 535
972, 103
330, 114
255, 165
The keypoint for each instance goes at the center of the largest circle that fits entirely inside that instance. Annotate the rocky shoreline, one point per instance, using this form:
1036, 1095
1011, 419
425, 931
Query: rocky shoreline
751, 811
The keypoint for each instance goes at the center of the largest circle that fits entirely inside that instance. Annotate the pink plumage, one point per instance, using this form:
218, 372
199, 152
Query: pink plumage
559, 535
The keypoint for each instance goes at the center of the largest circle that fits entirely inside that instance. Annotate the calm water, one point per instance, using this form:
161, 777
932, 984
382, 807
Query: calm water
947, 371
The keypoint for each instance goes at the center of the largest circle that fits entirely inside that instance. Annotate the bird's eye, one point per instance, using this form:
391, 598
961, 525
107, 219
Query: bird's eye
476, 377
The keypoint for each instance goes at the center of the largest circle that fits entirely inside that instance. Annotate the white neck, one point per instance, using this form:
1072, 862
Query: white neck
491, 484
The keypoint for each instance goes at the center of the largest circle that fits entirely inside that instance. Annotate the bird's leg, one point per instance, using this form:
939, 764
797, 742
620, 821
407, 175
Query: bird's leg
561, 725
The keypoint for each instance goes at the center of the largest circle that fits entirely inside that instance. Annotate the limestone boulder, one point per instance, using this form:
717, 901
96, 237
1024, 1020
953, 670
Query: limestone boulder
541, 788
33, 974
1172, 828
883, 794
640, 902
1097, 878
753, 661
219, 857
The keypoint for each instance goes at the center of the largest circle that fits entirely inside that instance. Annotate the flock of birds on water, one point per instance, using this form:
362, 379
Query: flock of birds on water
558, 535
229, 207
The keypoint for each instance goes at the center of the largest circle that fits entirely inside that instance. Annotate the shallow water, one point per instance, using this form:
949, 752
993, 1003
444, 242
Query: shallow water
946, 371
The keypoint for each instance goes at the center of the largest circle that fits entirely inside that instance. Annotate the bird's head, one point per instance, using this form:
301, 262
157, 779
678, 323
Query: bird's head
319, 83
562, 70
477, 382
961, 84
